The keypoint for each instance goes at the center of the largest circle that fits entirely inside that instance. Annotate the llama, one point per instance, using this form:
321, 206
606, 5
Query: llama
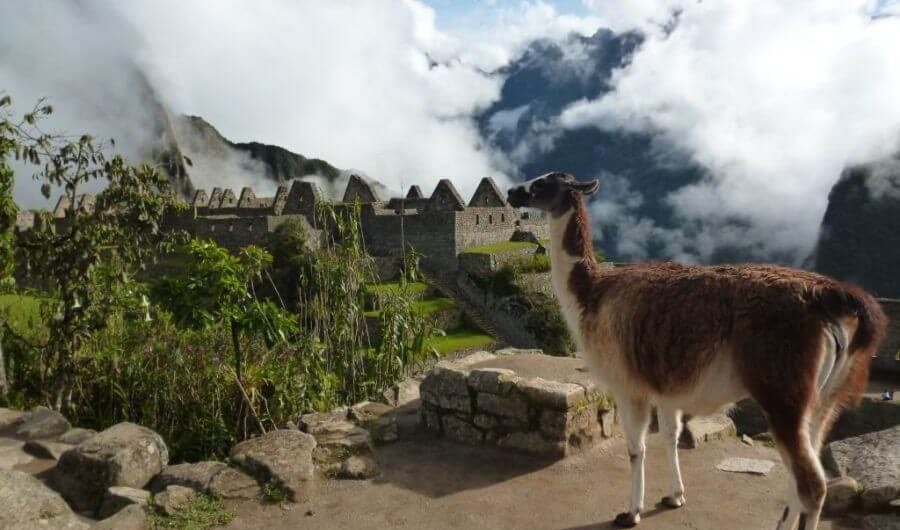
691, 340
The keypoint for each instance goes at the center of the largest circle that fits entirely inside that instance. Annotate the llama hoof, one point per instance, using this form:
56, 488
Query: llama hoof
627, 520
672, 501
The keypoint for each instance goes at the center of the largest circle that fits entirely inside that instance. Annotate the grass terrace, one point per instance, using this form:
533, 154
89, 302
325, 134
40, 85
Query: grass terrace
424, 307
23, 312
459, 340
415, 288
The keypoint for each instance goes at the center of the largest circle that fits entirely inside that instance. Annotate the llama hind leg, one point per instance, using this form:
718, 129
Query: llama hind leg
635, 415
801, 459
670, 429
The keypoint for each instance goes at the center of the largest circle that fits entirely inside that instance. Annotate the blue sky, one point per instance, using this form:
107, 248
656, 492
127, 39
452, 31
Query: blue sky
464, 14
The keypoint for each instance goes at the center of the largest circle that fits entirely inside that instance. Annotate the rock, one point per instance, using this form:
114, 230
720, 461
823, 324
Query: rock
559, 425
872, 460
9, 417
384, 430
76, 435
492, 380
196, 476
123, 455
881, 522
407, 392
336, 437
46, 449
447, 387
132, 517
357, 468
473, 358
552, 394
284, 457
842, 495
367, 411
752, 466
42, 422
29, 505
514, 406
461, 429
533, 442
12, 454
519, 351
118, 497
172, 499
764, 437
233, 483
606, 419
430, 418
706, 429
747, 440
748, 418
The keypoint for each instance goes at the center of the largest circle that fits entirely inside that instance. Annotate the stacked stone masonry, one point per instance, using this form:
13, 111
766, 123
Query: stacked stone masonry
494, 406
439, 226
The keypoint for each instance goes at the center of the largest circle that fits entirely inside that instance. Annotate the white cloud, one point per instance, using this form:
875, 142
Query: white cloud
773, 98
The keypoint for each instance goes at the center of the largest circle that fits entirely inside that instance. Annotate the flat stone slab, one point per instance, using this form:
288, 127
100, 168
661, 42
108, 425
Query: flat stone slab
118, 497
132, 517
283, 457
752, 466
873, 460
533, 364
706, 429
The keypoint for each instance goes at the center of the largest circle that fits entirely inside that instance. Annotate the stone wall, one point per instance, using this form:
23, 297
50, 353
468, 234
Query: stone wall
886, 360
510, 323
482, 265
494, 406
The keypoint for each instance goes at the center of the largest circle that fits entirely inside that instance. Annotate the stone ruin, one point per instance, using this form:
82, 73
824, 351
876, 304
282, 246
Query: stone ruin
498, 400
439, 226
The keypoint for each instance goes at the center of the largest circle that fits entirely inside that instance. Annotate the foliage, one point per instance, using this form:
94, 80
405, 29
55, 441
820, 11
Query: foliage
460, 339
545, 322
199, 513
86, 260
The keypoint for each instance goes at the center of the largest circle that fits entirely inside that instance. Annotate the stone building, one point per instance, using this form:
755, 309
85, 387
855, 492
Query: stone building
439, 227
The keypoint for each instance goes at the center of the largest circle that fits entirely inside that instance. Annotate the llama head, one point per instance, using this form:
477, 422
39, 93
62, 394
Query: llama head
556, 193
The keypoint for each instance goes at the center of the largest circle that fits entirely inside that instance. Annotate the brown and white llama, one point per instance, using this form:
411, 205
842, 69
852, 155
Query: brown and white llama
691, 340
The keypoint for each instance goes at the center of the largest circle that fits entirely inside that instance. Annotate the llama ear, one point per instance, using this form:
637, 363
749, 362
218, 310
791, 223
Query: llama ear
587, 188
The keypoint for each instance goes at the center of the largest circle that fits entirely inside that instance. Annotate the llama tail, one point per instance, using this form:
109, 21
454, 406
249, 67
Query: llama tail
836, 305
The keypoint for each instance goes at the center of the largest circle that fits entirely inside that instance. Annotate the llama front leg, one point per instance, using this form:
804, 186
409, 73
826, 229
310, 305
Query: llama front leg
635, 415
670, 429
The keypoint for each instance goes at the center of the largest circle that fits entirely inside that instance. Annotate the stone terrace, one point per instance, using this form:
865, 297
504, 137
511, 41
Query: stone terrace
500, 400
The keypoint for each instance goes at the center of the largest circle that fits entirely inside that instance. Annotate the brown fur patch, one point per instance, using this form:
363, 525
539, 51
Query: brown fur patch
671, 320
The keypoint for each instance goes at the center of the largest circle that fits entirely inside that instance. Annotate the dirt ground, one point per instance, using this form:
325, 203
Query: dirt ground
429, 484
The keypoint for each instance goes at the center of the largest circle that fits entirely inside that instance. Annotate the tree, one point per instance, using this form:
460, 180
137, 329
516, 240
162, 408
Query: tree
216, 286
8, 213
88, 258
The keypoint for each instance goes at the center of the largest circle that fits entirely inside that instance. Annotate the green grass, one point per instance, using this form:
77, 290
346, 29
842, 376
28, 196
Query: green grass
397, 287
424, 307
461, 339
200, 513
23, 312
500, 247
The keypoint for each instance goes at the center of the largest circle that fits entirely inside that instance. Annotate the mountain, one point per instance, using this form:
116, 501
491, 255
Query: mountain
635, 173
859, 239
217, 161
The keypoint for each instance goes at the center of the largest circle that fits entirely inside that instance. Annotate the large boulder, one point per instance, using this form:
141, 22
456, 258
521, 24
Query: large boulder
76, 435
214, 478
42, 422
872, 460
172, 499
123, 455
29, 505
282, 458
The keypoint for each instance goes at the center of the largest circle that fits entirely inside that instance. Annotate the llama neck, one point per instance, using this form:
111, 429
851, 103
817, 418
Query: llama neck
571, 246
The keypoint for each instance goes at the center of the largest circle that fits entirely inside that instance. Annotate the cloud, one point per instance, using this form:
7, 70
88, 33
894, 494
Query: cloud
773, 99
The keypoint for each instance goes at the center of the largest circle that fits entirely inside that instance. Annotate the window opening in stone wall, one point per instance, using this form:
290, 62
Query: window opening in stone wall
231, 227
502, 217
477, 219
212, 228
491, 219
